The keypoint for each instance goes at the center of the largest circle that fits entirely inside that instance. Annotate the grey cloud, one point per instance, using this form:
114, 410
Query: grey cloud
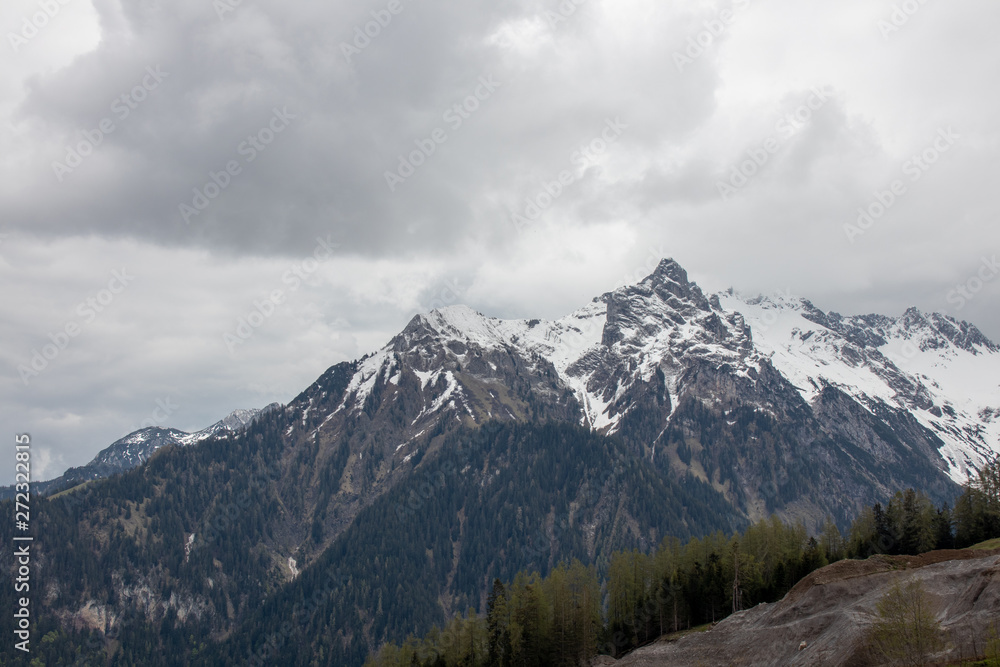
656, 187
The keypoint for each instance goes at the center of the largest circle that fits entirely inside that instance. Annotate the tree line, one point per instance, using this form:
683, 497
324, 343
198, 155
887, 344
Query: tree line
572, 615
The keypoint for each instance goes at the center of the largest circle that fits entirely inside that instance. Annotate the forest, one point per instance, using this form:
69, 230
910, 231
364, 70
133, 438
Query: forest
130, 531
571, 614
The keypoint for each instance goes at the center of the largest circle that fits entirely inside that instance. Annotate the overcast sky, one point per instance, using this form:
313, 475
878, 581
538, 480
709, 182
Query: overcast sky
176, 162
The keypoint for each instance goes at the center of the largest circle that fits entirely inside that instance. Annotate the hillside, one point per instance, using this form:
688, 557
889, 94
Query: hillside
824, 618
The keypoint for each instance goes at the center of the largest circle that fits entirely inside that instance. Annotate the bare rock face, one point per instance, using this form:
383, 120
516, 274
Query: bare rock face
824, 619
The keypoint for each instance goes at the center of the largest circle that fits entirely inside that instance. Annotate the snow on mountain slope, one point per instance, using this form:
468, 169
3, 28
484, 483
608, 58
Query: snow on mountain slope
945, 372
600, 351
135, 448
655, 335
808, 355
459, 328
234, 421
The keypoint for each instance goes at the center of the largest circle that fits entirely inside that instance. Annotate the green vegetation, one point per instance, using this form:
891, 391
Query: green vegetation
977, 512
910, 524
438, 540
993, 646
536, 622
71, 489
988, 544
683, 586
991, 656
679, 587
905, 631
593, 548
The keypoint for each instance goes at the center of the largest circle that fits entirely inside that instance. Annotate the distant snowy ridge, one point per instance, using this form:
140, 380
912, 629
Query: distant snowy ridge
945, 372
135, 448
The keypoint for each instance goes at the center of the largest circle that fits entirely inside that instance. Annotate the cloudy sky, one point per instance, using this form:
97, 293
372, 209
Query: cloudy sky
169, 168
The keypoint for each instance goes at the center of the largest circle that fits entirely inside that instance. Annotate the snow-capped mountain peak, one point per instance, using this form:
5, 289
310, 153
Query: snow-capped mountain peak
946, 373
652, 337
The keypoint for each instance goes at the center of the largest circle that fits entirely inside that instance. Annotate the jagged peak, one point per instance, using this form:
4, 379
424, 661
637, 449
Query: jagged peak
959, 333
446, 316
669, 269
237, 418
458, 318
458, 311
783, 299
456, 322
668, 283
146, 433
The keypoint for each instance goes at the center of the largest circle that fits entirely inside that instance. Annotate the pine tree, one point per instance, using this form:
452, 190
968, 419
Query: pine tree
498, 627
977, 510
586, 621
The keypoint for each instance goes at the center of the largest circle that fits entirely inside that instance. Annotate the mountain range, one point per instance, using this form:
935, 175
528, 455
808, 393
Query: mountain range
135, 449
470, 447
744, 394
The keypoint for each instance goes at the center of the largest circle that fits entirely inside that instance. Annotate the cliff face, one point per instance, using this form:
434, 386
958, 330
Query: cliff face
825, 618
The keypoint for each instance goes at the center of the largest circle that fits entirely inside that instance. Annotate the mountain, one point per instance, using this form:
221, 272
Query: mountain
397, 486
775, 404
135, 449
946, 373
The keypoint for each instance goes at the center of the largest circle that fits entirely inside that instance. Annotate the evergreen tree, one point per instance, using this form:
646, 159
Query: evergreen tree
977, 510
498, 627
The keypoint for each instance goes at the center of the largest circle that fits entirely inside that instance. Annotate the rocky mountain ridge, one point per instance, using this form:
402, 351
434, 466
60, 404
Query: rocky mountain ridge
135, 449
681, 377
